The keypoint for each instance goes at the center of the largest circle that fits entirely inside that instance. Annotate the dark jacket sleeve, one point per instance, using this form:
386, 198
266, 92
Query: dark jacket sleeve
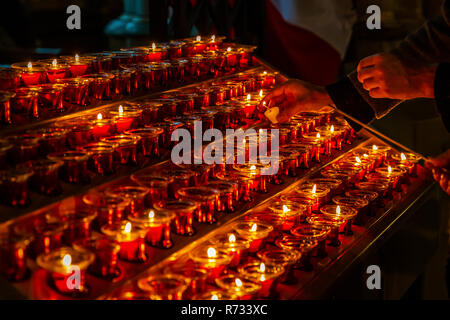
442, 92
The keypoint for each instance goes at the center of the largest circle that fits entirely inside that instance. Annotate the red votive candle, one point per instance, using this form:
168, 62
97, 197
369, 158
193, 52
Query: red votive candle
158, 185
79, 66
100, 85
5, 106
157, 227
25, 148
184, 215
125, 118
255, 231
31, 73
13, 255
62, 265
149, 142
105, 264
125, 148
137, 195
79, 132
74, 169
101, 127
263, 273
196, 274
48, 236
55, 71
213, 259
51, 140
45, 177
130, 238
79, 223
110, 210
76, 90
14, 186
164, 287
9, 79
236, 245
25, 102
50, 96
206, 197
101, 157
5, 147
227, 195
236, 285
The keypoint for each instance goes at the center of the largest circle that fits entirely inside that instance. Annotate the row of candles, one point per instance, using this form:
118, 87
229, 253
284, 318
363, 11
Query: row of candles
183, 194
124, 134
36, 89
180, 196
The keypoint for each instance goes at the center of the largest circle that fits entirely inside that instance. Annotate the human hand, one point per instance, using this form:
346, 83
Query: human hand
384, 75
440, 166
295, 96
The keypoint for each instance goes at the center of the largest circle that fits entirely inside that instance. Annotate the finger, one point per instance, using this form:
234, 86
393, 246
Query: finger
442, 160
369, 61
444, 181
276, 101
370, 83
377, 93
276, 92
366, 73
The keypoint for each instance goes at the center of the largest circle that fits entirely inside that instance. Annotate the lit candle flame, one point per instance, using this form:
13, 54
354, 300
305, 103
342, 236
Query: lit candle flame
212, 253
232, 238
120, 109
286, 209
151, 214
249, 97
30, 65
198, 38
67, 260
214, 297
77, 57
253, 228
229, 49
403, 157
213, 38
127, 228
153, 46
390, 169
238, 282
374, 148
318, 135
338, 210
260, 93
358, 160
262, 267
99, 116
253, 168
314, 189
365, 155
265, 72
54, 63
332, 128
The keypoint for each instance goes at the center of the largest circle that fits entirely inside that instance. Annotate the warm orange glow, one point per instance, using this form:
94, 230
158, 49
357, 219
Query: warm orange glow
358, 159
265, 72
254, 227
332, 128
30, 65
54, 63
314, 189
262, 267
151, 214
213, 38
374, 148
338, 210
232, 238
403, 157
214, 297
153, 46
67, 260
120, 109
318, 135
365, 155
229, 49
238, 282
77, 57
390, 169
99, 116
260, 93
249, 97
212, 253
127, 228
286, 209
253, 168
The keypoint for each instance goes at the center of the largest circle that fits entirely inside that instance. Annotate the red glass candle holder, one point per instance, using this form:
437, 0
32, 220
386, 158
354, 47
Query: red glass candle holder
25, 148
45, 178
50, 96
360, 204
314, 234
105, 264
149, 142
318, 193
157, 184
51, 140
157, 227
78, 132
244, 183
79, 66
79, 223
130, 238
101, 157
151, 112
260, 181
74, 169
137, 195
9, 79
110, 210
121, 84
159, 74
157, 53
5, 106
61, 264
300, 245
76, 90
25, 102
236, 285
196, 274
125, 118
213, 259
254, 231
14, 186
206, 198
31, 73
184, 215
181, 178
169, 128
331, 224
168, 109
280, 257
101, 62
13, 255
101, 126
380, 152
125, 148
100, 85
164, 287
56, 71
341, 212
264, 274
175, 49
227, 195
236, 245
